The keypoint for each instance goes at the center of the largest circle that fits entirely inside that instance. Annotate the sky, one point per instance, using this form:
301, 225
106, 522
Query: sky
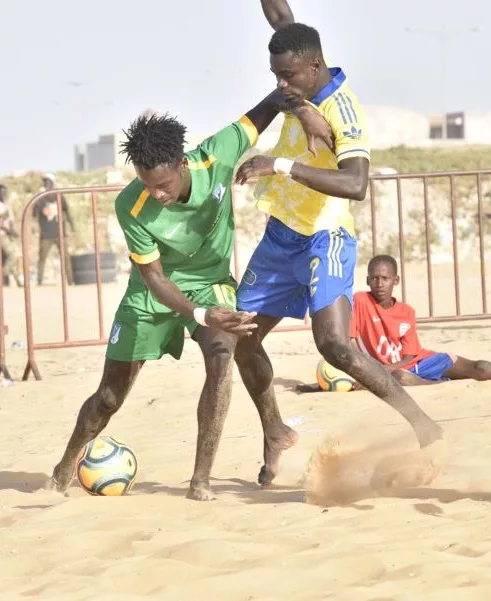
74, 70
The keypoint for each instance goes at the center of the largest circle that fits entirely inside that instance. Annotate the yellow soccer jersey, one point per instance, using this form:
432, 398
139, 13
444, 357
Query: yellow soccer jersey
300, 208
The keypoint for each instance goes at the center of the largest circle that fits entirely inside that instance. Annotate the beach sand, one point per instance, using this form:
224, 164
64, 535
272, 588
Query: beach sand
431, 543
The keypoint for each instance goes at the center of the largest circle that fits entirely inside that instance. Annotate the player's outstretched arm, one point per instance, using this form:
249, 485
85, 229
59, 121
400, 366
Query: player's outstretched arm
349, 181
263, 113
167, 293
313, 123
278, 13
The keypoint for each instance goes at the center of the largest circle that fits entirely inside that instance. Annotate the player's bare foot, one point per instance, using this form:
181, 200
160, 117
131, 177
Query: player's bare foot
428, 433
60, 480
409, 470
303, 388
53, 485
200, 491
274, 444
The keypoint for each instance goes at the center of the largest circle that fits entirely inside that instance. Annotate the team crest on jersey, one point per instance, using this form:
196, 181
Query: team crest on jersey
219, 193
354, 133
115, 333
404, 328
249, 277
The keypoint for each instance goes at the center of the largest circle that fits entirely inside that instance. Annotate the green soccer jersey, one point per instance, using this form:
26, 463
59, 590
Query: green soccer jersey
194, 241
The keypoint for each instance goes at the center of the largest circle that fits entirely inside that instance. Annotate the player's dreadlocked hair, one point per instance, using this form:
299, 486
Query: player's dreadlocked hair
384, 259
154, 140
296, 38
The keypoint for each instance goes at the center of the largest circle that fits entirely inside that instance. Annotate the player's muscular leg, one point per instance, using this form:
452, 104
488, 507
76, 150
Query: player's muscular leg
331, 327
218, 352
117, 380
466, 369
257, 374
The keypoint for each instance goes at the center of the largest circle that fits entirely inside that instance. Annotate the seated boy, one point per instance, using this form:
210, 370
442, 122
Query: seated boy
385, 328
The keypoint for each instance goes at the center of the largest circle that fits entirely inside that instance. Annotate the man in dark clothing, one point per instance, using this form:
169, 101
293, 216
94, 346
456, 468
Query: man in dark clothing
8, 234
46, 211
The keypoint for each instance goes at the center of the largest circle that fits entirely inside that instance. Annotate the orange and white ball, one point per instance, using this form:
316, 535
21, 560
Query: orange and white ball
331, 379
106, 467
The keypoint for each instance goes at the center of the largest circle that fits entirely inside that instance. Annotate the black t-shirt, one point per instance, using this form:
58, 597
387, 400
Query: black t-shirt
46, 210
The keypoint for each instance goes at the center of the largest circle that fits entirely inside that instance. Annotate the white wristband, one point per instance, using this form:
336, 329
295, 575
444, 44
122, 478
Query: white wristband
200, 316
282, 166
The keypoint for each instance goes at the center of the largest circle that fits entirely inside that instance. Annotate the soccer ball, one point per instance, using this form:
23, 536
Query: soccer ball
106, 467
331, 379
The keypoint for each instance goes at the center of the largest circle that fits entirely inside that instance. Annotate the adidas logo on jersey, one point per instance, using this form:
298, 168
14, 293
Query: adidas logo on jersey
354, 133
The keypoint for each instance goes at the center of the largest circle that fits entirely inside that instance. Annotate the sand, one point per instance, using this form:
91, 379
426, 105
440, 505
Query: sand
431, 543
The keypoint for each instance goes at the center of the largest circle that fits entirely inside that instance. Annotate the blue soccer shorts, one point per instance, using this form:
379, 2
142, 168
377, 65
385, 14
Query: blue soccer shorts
434, 367
290, 273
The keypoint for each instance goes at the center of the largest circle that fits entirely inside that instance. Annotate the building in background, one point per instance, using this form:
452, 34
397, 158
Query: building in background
102, 153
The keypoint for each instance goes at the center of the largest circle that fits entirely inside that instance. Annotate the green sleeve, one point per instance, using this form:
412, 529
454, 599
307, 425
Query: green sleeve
143, 248
230, 143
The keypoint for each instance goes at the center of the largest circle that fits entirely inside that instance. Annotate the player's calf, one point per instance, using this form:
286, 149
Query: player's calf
256, 372
94, 416
342, 355
218, 353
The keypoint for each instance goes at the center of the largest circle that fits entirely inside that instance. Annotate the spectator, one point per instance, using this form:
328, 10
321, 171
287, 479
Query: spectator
46, 211
386, 329
7, 237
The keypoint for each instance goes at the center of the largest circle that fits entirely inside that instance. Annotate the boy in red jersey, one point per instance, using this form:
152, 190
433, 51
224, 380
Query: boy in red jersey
385, 329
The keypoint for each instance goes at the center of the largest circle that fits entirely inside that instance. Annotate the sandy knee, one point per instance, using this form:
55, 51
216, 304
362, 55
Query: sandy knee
482, 370
246, 346
340, 355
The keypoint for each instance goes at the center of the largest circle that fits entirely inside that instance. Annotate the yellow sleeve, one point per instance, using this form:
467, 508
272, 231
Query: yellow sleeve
348, 123
231, 142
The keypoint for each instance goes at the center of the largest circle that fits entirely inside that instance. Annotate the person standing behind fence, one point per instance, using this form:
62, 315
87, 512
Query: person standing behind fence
46, 211
7, 236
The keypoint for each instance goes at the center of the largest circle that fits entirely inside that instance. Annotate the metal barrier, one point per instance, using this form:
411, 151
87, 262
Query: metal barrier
3, 328
425, 178
305, 325
26, 216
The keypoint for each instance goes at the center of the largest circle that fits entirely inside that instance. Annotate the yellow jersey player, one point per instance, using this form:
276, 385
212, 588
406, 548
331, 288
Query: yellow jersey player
307, 256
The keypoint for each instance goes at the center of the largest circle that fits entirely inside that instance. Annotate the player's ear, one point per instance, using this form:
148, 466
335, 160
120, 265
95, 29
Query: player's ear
397, 280
315, 64
368, 282
184, 163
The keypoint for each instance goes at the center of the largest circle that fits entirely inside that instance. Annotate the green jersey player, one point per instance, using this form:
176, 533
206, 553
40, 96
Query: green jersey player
178, 223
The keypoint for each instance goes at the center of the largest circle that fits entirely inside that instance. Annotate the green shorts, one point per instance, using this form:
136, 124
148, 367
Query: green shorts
139, 335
